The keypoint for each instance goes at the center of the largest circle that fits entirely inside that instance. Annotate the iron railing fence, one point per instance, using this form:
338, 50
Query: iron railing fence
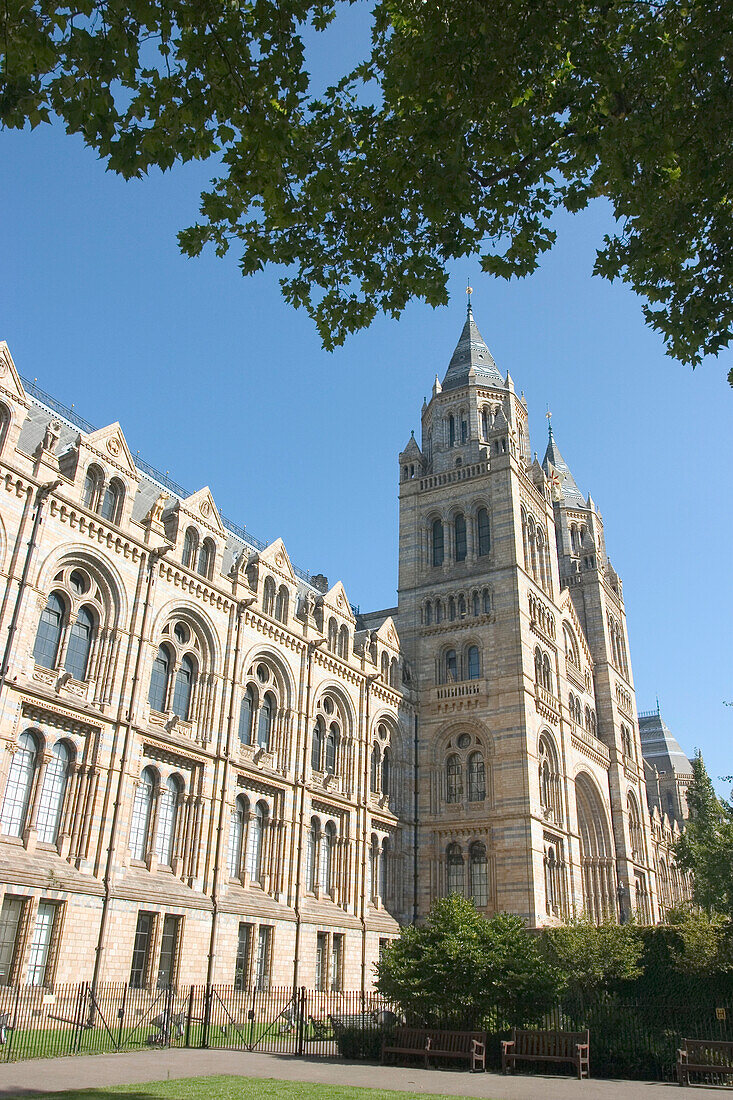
633, 1039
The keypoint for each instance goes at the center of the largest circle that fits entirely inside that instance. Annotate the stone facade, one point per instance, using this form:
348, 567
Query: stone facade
212, 761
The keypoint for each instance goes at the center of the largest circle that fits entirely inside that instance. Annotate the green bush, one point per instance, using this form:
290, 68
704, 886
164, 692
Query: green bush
360, 1043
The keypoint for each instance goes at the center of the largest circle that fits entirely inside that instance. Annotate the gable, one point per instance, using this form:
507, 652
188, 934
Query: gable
111, 444
567, 609
201, 506
336, 598
276, 557
387, 634
10, 383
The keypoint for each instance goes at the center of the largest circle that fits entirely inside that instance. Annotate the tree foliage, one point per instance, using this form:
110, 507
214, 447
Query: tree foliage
462, 966
593, 957
706, 846
704, 941
466, 127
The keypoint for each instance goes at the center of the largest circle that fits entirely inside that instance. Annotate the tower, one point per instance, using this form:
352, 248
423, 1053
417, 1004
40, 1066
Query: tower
524, 782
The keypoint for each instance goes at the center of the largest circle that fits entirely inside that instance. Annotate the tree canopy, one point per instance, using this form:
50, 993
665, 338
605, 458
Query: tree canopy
464, 130
592, 957
706, 846
459, 965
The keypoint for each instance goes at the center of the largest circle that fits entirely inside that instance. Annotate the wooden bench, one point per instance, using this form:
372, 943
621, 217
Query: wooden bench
704, 1056
432, 1043
547, 1046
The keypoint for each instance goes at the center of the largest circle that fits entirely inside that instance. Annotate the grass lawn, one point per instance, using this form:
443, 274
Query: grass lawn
234, 1088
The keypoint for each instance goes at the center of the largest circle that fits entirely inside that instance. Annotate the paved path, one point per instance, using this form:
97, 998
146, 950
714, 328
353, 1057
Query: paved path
25, 1079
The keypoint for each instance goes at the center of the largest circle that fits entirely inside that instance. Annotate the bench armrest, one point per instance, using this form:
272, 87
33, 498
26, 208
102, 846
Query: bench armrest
477, 1045
681, 1055
582, 1046
506, 1045
428, 1043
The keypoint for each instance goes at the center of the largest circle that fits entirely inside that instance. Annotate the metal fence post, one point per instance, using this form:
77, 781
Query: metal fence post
301, 1022
207, 1018
189, 1017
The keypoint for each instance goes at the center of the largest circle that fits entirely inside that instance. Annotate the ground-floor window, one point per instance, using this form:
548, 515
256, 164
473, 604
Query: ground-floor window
169, 944
337, 961
321, 949
141, 949
241, 965
262, 962
40, 961
11, 916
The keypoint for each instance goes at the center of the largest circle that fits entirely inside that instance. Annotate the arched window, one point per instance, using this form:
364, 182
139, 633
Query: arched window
246, 714
454, 867
577, 711
546, 673
142, 809
453, 779
428, 613
190, 547
383, 870
268, 596
479, 871
451, 608
451, 431
460, 536
170, 793
385, 667
538, 666
438, 611
281, 604
451, 667
464, 428
183, 687
332, 635
599, 885
587, 719
549, 778
111, 508
438, 542
237, 821
255, 842
311, 854
48, 636
487, 601
476, 778
485, 422
158, 693
484, 532
344, 642
552, 894
328, 842
332, 749
635, 832
18, 787
386, 766
461, 607
394, 672
264, 724
374, 770
92, 485
373, 867
572, 656
317, 747
476, 604
51, 801
80, 644
474, 664
207, 553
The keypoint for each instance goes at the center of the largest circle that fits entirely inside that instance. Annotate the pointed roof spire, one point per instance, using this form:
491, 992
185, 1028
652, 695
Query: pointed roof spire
471, 354
571, 495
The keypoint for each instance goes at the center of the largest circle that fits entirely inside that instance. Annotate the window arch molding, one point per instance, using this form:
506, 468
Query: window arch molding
189, 643
597, 862
386, 758
6, 420
549, 777
470, 746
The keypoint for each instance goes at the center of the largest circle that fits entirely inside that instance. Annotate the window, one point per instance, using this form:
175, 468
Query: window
80, 644
241, 965
635, 831
373, 867
111, 508
538, 667
337, 960
167, 964
454, 862
474, 669
572, 655
92, 485
158, 693
428, 613
486, 597
451, 667
256, 842
207, 553
18, 788
141, 950
321, 949
385, 772
312, 854
142, 809
464, 430
264, 724
479, 871
262, 963
332, 635
438, 611
461, 607
394, 672
476, 604
237, 820
549, 778
460, 536
281, 604
476, 778
52, 794
438, 543
485, 422
328, 842
451, 431
546, 673
451, 608
484, 533
190, 547
374, 770
343, 647
454, 779
165, 838
183, 687
10, 924
332, 748
39, 960
268, 596
246, 714
317, 747
48, 637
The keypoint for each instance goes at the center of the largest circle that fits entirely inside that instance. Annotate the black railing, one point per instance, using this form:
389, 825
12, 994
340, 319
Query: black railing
627, 1039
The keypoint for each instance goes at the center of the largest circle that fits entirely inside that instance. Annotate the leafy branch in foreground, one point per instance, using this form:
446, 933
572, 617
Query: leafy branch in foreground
461, 134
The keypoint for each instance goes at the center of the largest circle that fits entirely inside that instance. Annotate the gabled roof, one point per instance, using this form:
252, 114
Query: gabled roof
337, 599
571, 495
276, 556
387, 633
472, 354
110, 442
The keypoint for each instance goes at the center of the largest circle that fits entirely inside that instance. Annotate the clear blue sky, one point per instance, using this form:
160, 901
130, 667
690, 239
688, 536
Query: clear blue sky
217, 380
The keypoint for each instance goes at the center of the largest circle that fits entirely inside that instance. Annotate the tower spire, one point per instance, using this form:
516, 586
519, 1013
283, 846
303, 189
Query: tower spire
553, 462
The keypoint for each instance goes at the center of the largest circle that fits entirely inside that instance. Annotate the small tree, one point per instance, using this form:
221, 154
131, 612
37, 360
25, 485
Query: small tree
460, 966
592, 957
706, 846
704, 946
